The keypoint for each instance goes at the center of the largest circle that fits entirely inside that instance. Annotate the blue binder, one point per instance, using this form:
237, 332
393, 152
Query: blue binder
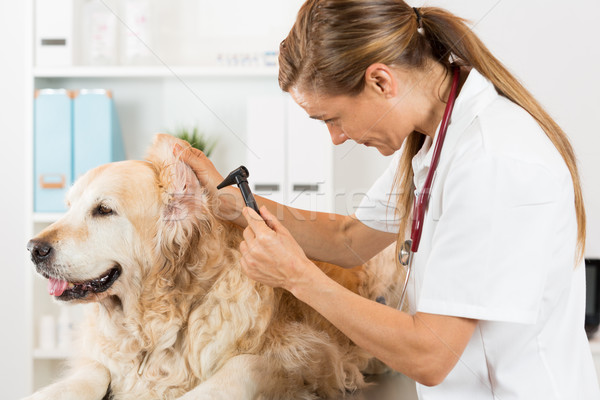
97, 136
52, 149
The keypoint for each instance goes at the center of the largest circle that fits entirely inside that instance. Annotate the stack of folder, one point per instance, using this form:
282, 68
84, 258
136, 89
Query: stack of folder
74, 131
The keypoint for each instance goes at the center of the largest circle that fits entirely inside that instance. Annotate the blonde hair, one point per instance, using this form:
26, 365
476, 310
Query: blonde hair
334, 41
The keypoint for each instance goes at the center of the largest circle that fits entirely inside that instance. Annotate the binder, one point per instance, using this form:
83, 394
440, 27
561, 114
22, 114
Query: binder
288, 154
97, 136
265, 124
52, 149
54, 33
310, 184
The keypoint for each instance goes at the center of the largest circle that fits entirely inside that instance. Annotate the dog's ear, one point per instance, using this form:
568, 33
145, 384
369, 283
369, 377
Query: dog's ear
185, 210
180, 189
161, 151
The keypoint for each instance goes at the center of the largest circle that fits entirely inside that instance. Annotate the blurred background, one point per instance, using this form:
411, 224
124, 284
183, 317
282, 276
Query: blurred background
107, 75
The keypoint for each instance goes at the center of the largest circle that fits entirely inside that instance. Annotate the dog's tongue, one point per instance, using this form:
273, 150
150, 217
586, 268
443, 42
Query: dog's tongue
56, 287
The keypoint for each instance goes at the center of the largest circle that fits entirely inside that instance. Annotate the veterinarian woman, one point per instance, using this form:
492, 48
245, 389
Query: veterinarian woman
497, 288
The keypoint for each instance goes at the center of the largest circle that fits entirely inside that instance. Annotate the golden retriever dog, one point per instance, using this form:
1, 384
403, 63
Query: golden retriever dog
173, 316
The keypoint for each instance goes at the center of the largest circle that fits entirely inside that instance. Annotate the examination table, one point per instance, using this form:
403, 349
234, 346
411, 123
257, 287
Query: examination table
390, 386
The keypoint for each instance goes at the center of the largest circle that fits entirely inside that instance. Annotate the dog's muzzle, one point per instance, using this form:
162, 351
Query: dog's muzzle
42, 254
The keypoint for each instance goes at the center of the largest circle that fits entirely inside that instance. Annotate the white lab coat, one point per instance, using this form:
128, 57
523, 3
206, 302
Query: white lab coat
498, 245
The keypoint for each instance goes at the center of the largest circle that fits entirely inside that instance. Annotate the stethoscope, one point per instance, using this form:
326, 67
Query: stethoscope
411, 246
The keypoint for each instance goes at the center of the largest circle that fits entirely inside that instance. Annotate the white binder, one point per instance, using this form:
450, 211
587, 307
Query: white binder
53, 33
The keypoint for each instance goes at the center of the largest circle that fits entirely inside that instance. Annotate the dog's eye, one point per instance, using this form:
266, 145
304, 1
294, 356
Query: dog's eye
102, 210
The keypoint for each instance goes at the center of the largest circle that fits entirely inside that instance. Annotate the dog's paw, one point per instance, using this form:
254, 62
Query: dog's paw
199, 396
206, 394
49, 393
37, 396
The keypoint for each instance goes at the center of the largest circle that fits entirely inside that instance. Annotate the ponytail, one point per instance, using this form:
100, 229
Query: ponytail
452, 40
333, 42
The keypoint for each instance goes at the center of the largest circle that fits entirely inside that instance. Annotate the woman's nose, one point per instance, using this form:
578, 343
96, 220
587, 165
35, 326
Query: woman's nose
337, 135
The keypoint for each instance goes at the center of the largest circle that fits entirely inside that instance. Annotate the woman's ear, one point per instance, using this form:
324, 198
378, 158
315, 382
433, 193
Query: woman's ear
381, 79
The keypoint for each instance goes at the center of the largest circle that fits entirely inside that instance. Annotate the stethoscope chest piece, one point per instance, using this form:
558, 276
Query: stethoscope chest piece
405, 253
405, 256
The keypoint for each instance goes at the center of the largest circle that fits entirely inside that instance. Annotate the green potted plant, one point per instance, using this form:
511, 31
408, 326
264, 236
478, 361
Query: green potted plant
197, 139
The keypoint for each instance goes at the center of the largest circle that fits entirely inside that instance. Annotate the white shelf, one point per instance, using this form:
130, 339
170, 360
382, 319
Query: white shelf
51, 354
152, 72
46, 218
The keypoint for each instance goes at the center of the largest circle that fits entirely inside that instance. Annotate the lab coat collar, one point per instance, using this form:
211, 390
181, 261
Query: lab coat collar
476, 94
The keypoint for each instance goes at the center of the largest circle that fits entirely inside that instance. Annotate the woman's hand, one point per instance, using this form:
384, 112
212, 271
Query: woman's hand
204, 169
270, 254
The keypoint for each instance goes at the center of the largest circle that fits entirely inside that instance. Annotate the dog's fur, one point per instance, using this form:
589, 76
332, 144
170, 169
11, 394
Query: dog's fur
182, 320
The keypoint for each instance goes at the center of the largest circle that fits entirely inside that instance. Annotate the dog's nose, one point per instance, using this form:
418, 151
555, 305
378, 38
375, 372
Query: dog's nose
40, 250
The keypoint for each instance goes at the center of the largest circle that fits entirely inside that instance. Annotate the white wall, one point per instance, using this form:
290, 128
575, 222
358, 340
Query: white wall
553, 47
16, 95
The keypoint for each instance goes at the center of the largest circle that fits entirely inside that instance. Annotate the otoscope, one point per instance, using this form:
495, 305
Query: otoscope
240, 176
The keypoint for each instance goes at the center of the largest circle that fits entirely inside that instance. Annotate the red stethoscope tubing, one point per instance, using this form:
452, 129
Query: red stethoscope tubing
422, 200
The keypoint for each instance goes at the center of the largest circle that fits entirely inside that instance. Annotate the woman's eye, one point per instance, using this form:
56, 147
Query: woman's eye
328, 121
103, 210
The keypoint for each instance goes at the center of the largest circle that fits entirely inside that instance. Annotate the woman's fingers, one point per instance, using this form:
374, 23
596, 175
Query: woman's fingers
204, 169
248, 234
255, 221
195, 158
272, 221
